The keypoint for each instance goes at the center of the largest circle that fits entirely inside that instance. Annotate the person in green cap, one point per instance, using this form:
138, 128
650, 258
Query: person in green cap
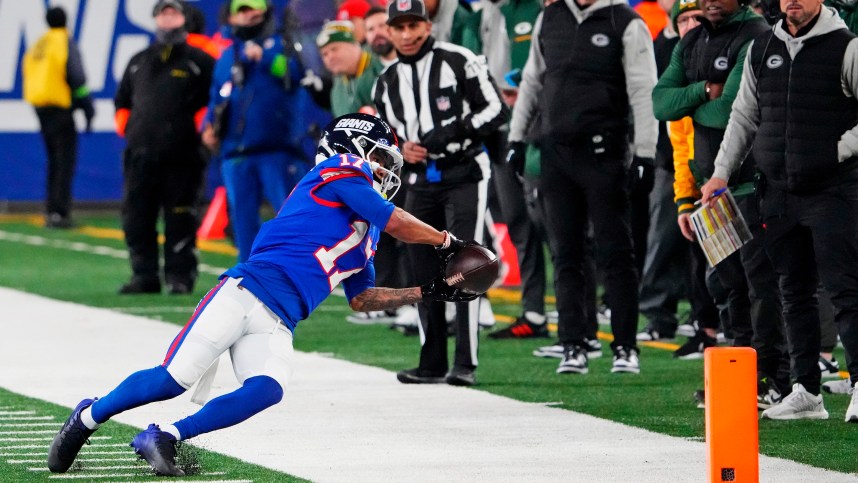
347, 62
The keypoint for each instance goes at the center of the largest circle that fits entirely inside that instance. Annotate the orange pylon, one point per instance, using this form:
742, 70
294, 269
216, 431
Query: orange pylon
216, 219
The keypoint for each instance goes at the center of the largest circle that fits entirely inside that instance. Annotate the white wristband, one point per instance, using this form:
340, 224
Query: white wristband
447, 240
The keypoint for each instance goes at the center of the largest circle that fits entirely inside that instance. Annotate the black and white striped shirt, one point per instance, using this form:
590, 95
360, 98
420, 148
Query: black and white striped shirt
452, 85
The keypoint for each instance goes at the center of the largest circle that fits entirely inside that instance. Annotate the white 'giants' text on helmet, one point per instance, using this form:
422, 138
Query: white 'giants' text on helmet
370, 138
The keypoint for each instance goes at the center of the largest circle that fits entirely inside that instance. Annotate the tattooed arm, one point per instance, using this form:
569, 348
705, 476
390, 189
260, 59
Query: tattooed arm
380, 298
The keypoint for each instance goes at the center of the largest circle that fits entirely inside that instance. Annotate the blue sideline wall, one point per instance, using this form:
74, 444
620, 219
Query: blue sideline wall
108, 32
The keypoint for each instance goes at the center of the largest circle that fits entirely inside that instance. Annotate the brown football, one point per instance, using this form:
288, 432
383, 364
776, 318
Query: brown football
473, 269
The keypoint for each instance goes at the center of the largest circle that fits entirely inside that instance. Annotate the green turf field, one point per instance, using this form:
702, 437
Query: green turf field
86, 266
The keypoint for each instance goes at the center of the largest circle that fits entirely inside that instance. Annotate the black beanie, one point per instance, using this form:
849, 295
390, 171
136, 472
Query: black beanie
56, 17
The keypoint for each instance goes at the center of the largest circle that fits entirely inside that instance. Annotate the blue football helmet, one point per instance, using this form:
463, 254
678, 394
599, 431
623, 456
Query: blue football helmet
370, 138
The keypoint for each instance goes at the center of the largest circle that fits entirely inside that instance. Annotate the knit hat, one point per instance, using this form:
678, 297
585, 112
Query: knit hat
253, 4
336, 31
162, 4
56, 17
682, 6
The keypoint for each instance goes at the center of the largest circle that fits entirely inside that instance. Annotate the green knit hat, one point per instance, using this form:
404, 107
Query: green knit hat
681, 6
254, 4
336, 31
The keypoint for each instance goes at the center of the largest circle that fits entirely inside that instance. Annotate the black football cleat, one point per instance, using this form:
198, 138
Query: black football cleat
158, 448
139, 285
419, 376
460, 376
68, 442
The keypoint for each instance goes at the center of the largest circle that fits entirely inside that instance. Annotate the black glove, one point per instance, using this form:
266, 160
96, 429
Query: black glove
516, 157
438, 290
448, 249
436, 140
641, 176
85, 104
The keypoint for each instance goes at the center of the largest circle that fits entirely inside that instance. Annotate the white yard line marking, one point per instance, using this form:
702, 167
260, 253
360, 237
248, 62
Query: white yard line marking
24, 446
40, 431
24, 455
92, 477
48, 438
55, 424
40, 241
98, 468
26, 418
85, 460
15, 413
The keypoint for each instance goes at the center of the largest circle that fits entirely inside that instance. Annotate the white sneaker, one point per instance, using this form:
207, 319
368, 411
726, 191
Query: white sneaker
574, 361
626, 360
373, 317
800, 404
840, 386
407, 316
487, 316
852, 410
554, 350
686, 330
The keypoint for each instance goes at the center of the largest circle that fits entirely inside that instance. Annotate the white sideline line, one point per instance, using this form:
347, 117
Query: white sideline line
351, 422
82, 247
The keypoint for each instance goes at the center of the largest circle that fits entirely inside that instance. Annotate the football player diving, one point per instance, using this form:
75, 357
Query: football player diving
325, 234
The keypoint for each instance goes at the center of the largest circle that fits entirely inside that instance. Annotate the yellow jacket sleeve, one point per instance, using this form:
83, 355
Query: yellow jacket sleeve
685, 189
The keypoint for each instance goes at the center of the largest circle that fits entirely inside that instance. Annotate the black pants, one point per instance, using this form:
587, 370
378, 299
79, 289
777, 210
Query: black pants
536, 212
811, 237
392, 268
524, 235
162, 183
60, 136
578, 186
460, 209
664, 271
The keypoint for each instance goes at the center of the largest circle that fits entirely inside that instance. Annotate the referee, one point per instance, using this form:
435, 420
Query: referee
441, 101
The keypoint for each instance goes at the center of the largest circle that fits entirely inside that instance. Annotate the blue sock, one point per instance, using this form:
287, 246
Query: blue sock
256, 394
142, 387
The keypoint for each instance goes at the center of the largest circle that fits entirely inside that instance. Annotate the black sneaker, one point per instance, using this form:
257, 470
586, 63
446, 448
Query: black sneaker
138, 285
767, 394
68, 442
158, 448
626, 359
574, 361
460, 376
653, 333
593, 348
419, 376
179, 288
693, 349
521, 329
56, 220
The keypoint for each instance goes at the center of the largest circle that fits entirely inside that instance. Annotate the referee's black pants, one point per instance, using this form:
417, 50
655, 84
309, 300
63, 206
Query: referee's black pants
810, 237
578, 186
460, 209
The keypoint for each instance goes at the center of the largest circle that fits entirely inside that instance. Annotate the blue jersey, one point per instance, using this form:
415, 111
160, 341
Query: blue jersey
325, 234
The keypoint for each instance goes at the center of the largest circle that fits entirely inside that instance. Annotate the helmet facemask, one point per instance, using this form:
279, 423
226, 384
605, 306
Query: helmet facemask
386, 162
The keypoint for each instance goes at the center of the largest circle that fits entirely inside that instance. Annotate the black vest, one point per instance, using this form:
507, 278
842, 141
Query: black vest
710, 54
584, 84
803, 111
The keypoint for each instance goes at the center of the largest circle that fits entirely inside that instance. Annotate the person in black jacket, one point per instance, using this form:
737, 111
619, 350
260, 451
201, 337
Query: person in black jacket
440, 100
162, 90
